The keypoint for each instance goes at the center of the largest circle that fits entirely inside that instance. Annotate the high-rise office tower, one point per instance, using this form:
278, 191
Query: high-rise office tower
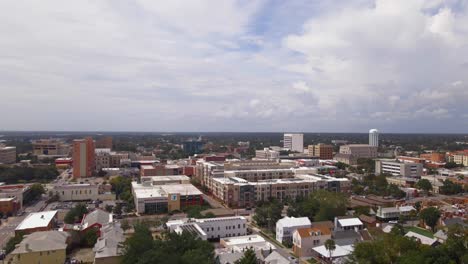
374, 137
294, 142
83, 157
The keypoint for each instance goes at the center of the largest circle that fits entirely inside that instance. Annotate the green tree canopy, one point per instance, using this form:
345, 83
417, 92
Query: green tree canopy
424, 184
248, 258
76, 213
430, 216
171, 248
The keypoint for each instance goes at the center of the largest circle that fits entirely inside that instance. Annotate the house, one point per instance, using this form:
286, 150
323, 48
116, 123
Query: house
211, 228
430, 241
369, 221
350, 237
276, 258
108, 248
348, 223
441, 236
387, 213
337, 253
96, 219
304, 239
287, 225
42, 247
40, 221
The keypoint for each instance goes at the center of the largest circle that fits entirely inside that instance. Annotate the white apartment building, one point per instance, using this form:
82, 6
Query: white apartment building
211, 228
77, 192
410, 170
294, 142
267, 153
261, 174
286, 226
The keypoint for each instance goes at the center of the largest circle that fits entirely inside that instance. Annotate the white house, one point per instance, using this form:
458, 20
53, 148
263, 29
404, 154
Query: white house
344, 223
286, 226
212, 228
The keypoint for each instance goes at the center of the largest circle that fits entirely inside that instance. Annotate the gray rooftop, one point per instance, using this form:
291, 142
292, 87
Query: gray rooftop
42, 241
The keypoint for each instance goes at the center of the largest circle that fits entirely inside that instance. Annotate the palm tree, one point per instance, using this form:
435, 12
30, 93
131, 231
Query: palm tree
330, 246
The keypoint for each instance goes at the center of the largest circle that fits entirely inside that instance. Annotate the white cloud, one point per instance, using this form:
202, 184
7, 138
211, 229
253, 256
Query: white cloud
223, 65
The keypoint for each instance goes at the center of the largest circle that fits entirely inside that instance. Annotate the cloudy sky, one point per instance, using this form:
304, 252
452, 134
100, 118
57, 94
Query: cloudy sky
226, 65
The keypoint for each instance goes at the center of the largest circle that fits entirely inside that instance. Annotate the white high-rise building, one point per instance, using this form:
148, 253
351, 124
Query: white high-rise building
374, 137
294, 142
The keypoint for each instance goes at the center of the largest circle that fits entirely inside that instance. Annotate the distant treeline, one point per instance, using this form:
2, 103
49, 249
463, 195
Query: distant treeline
27, 174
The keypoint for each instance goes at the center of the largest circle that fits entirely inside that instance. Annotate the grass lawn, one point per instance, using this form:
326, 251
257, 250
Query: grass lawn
312, 261
420, 231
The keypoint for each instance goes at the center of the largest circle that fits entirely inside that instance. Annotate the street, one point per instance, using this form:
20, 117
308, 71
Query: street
8, 226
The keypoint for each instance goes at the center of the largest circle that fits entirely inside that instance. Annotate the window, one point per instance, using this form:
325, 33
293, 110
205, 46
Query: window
238, 226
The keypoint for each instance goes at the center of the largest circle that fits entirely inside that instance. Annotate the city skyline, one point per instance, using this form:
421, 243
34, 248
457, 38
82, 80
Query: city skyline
235, 66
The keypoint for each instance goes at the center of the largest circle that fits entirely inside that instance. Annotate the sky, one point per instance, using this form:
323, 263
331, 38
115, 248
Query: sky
227, 65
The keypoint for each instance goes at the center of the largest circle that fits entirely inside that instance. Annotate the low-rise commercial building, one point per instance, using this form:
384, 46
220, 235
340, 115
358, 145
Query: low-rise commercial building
267, 153
49, 148
211, 228
77, 192
40, 221
9, 206
286, 226
410, 170
7, 154
322, 151
42, 247
359, 150
150, 198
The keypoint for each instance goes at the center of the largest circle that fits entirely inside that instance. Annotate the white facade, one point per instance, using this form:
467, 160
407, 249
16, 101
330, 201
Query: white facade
267, 153
374, 137
77, 192
214, 228
412, 170
286, 226
294, 142
348, 224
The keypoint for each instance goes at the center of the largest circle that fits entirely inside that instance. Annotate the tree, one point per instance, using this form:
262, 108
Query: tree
330, 246
341, 165
118, 209
450, 187
35, 192
12, 242
268, 213
124, 225
424, 184
136, 245
430, 216
249, 257
75, 214
183, 248
89, 238
451, 165
108, 208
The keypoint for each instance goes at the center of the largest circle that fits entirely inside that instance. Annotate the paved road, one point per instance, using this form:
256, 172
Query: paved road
7, 229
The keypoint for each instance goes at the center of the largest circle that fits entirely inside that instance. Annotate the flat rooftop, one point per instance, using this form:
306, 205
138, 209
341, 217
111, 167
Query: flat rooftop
36, 220
162, 191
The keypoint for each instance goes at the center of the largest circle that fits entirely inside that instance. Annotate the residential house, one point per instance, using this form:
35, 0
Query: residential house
304, 239
108, 248
287, 225
45, 247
